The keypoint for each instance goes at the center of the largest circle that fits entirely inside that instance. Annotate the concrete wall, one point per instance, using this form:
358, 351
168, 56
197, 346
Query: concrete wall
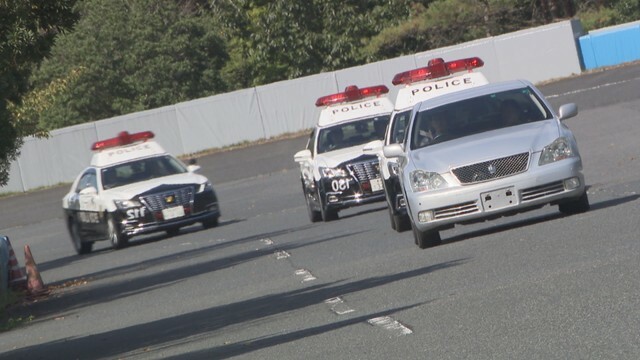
537, 54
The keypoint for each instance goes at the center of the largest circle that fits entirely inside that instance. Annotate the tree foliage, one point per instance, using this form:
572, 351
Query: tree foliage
27, 32
125, 56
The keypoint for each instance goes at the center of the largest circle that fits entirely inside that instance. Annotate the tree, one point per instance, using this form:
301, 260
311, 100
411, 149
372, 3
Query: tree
131, 56
27, 32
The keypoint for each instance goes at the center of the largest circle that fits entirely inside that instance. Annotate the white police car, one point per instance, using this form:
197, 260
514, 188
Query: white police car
437, 78
335, 174
487, 152
134, 187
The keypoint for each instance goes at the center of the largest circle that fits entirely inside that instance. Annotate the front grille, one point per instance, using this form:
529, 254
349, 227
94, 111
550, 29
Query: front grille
492, 169
158, 201
455, 210
542, 191
365, 171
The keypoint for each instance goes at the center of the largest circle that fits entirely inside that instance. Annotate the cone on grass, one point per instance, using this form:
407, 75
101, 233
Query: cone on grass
34, 280
17, 278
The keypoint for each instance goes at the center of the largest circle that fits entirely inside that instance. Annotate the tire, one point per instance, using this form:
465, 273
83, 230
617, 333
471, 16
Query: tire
577, 206
210, 222
118, 241
426, 239
314, 215
173, 231
326, 213
81, 247
401, 222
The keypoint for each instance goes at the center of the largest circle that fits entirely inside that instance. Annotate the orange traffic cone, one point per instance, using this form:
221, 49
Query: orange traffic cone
17, 279
34, 280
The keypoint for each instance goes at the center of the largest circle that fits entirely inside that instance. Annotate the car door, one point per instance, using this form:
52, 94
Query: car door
86, 203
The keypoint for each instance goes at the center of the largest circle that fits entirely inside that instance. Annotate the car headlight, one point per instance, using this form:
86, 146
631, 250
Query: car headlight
127, 204
559, 149
205, 186
425, 180
332, 172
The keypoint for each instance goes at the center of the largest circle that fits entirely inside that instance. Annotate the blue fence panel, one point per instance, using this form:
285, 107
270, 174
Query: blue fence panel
611, 47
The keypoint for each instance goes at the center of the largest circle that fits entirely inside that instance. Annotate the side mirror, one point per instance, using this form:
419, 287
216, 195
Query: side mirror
89, 191
193, 168
567, 111
393, 150
372, 148
302, 156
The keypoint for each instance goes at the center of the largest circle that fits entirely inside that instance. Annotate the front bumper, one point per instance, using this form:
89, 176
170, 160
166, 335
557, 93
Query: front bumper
355, 194
541, 185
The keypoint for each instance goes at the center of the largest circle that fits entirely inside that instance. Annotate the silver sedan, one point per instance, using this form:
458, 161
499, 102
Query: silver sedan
487, 152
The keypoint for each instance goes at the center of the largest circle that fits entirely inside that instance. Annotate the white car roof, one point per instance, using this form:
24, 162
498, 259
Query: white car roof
414, 93
119, 154
473, 92
370, 107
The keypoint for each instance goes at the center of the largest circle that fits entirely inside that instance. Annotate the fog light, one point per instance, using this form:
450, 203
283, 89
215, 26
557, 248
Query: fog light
333, 198
572, 183
425, 216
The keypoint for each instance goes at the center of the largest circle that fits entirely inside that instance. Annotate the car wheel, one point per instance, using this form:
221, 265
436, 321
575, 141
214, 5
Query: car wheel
314, 215
82, 247
118, 241
426, 239
210, 222
326, 213
401, 223
173, 231
577, 206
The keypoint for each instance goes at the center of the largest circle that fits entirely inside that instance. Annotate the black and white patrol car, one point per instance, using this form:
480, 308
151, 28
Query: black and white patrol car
436, 79
133, 187
335, 173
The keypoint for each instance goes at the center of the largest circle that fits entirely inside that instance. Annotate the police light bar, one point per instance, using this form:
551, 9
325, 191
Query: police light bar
352, 93
437, 68
123, 138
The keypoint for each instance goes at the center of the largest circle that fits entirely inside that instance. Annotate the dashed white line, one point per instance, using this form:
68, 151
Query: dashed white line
281, 254
591, 88
390, 324
306, 275
338, 306
267, 241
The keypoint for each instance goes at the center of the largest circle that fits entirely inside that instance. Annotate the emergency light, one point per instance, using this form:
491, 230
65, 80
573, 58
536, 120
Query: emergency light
352, 93
437, 68
123, 138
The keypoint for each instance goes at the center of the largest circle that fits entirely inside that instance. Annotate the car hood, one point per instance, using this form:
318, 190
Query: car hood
337, 157
485, 146
153, 185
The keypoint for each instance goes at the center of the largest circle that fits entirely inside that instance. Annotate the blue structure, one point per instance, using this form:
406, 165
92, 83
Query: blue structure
611, 46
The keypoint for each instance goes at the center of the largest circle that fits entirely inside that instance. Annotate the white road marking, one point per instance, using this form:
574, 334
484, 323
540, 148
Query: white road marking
267, 241
591, 88
281, 254
306, 275
338, 306
390, 324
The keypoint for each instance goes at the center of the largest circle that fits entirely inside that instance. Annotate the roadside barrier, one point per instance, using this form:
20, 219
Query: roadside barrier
34, 280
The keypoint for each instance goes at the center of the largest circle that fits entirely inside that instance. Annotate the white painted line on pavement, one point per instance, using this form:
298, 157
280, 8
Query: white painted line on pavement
390, 324
338, 306
267, 241
591, 88
281, 254
306, 275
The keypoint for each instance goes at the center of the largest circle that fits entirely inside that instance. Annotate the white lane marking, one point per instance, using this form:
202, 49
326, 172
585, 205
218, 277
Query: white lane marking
591, 88
281, 254
306, 275
338, 306
267, 241
390, 324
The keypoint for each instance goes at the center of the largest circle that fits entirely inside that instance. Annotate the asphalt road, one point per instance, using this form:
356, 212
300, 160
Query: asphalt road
268, 284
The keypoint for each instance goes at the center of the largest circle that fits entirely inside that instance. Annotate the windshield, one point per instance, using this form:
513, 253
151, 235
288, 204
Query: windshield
352, 133
476, 115
140, 170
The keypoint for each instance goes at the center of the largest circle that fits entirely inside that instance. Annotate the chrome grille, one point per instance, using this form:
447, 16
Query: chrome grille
455, 210
542, 191
166, 199
492, 169
365, 171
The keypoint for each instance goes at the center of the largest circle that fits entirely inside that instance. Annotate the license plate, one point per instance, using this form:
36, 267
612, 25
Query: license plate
499, 199
376, 185
173, 212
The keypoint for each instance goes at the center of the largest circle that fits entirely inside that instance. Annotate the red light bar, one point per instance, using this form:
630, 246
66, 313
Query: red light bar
437, 68
352, 93
123, 138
